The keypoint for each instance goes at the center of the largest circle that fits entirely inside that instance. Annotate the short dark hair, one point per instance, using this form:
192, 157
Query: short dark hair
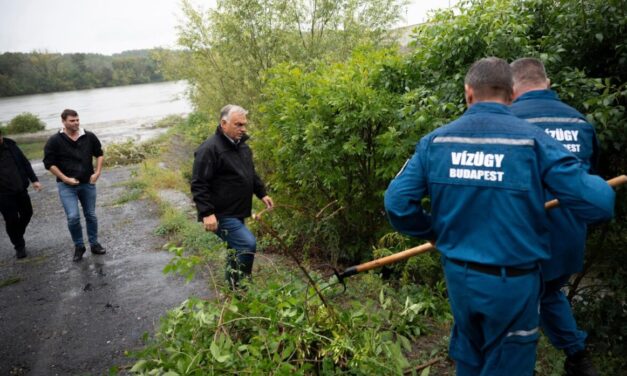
67, 112
490, 77
528, 70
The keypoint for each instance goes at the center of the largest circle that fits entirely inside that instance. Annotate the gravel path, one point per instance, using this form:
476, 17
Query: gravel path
64, 318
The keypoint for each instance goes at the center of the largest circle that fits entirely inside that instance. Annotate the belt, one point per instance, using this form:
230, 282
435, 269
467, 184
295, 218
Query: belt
493, 270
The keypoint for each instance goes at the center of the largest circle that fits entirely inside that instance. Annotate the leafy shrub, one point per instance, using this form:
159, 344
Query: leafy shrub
24, 123
338, 133
198, 127
327, 137
279, 326
129, 152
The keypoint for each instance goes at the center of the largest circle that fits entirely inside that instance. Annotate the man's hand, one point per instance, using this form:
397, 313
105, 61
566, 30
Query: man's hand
37, 186
94, 178
210, 223
268, 201
71, 181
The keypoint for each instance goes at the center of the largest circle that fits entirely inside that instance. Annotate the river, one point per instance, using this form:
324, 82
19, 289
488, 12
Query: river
114, 113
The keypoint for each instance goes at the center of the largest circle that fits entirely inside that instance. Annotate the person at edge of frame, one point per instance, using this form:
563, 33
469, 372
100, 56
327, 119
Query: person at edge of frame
537, 104
223, 183
485, 173
68, 155
16, 173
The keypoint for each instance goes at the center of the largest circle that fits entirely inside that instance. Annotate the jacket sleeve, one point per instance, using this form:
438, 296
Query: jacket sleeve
26, 165
50, 153
97, 146
587, 196
202, 179
403, 198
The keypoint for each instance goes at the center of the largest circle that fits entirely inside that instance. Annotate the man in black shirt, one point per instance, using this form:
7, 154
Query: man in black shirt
223, 183
15, 175
68, 155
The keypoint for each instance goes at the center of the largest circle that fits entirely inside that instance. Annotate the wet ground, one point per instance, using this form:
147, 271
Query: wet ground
58, 317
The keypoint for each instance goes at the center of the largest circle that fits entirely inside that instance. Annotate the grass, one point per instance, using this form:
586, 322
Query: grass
33, 150
9, 281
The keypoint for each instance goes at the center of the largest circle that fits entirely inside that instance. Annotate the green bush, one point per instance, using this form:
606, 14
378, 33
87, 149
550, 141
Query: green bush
129, 152
279, 326
336, 134
24, 123
328, 139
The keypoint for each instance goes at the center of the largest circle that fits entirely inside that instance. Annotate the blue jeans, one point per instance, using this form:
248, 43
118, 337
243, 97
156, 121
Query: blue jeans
71, 195
234, 232
557, 320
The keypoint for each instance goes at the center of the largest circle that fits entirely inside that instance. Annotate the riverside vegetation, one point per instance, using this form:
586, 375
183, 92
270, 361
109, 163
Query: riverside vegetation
329, 132
44, 72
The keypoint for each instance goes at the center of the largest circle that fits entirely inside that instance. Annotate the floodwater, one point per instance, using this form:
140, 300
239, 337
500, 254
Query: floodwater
101, 105
114, 114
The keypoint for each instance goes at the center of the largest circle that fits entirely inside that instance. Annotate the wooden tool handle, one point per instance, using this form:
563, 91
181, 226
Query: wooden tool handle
394, 258
614, 182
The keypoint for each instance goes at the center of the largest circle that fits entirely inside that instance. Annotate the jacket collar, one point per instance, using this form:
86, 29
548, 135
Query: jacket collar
229, 140
488, 107
538, 94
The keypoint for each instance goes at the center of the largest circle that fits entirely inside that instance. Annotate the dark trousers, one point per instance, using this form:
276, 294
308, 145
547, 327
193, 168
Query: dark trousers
17, 212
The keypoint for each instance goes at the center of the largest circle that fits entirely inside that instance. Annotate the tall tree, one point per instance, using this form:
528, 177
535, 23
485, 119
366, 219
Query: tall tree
233, 45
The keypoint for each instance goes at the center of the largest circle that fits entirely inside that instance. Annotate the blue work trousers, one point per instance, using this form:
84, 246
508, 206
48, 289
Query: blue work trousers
557, 320
71, 195
239, 238
496, 321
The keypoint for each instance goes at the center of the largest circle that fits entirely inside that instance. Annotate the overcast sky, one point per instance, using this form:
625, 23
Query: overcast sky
110, 26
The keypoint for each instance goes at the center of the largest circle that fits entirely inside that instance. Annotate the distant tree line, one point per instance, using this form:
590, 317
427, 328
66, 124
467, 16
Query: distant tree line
42, 72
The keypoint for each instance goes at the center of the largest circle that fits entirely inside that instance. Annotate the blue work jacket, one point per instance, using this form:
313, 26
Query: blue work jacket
544, 109
486, 173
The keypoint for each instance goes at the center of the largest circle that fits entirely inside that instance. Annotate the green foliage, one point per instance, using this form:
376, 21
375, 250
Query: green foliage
278, 326
129, 152
423, 270
337, 133
327, 136
42, 72
170, 121
198, 127
231, 46
32, 149
24, 123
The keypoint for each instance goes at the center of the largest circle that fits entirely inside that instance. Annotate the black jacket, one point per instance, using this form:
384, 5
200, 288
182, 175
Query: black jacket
224, 178
23, 165
73, 158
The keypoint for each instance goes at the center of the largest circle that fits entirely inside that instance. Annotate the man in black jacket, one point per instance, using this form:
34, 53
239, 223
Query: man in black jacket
223, 183
15, 175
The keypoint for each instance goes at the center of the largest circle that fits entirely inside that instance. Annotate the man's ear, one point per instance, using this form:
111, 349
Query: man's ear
469, 94
548, 83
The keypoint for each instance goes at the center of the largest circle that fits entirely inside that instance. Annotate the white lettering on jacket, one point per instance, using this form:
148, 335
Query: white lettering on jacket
565, 135
477, 159
562, 134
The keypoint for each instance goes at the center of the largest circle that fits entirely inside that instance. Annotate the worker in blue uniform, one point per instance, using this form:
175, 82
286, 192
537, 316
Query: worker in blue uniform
536, 103
485, 174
